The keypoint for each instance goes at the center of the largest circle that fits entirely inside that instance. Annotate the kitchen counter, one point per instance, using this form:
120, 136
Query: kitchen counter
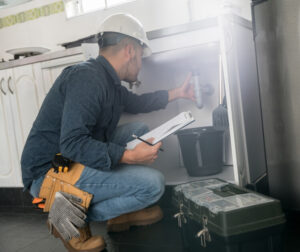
42, 57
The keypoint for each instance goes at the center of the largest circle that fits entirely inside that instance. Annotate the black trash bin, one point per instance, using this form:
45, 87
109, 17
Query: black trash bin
202, 150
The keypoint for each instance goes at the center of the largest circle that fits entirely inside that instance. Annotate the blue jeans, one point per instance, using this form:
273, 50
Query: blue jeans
124, 189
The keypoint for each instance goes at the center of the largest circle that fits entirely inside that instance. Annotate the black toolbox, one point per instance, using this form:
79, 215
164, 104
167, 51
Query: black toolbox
218, 216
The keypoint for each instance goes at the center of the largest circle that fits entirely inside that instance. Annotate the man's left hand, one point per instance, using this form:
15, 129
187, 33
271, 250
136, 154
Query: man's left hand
186, 90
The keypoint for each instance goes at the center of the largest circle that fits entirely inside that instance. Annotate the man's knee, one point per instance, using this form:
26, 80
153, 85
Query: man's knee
154, 187
159, 186
140, 128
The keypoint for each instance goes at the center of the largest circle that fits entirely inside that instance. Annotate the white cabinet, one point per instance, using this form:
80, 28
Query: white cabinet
51, 69
196, 47
26, 90
10, 172
21, 95
23, 90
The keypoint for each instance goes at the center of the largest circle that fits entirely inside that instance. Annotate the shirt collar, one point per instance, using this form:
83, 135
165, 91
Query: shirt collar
108, 67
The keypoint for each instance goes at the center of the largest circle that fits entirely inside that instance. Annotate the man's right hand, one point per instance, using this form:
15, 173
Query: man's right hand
141, 154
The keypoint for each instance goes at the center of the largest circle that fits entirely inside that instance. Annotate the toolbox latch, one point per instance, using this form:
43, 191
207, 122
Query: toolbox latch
203, 234
180, 216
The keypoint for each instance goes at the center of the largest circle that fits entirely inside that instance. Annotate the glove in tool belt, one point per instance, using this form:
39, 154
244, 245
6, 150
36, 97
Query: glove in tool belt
63, 181
61, 163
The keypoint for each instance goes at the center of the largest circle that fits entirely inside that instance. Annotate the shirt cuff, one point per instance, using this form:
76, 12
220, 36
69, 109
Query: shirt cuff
115, 152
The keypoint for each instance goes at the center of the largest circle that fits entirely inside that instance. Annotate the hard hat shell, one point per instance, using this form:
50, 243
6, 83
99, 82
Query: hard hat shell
128, 25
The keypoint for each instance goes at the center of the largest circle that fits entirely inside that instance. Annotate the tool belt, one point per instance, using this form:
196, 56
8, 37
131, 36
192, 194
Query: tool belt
63, 181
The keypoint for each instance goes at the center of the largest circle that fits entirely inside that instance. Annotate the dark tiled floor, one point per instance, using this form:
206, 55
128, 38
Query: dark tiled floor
23, 229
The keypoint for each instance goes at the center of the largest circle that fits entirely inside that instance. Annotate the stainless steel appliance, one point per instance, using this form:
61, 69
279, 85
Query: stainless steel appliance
277, 39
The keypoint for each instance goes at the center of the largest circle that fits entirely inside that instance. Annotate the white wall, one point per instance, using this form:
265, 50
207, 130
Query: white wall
55, 29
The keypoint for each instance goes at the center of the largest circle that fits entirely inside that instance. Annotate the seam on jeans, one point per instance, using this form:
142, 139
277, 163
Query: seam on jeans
105, 184
128, 186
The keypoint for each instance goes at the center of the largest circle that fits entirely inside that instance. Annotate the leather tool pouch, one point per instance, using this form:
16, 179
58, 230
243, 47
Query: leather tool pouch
64, 182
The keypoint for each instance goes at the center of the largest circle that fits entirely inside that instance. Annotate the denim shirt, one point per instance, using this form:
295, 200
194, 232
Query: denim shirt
78, 117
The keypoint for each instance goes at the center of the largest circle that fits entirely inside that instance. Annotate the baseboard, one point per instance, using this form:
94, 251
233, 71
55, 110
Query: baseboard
14, 197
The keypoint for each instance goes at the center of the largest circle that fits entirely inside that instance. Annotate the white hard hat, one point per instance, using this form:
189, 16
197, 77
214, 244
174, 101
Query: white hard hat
128, 25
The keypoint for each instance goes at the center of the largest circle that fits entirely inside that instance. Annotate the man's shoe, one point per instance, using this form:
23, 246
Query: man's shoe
142, 217
85, 243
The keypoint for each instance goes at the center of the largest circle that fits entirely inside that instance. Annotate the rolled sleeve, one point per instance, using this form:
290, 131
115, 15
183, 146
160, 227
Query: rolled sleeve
115, 152
145, 103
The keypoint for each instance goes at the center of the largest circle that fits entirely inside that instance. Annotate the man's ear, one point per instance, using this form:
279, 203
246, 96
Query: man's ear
131, 50
127, 52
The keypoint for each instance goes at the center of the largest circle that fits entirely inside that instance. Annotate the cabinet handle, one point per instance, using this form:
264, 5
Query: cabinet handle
9, 87
1, 88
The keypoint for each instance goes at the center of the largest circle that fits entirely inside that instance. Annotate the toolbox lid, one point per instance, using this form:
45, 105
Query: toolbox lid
229, 209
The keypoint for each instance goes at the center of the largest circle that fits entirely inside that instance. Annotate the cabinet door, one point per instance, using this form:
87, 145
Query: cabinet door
26, 99
243, 100
53, 68
10, 172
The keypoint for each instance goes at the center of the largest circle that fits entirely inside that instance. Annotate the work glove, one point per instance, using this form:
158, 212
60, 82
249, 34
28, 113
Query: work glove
67, 215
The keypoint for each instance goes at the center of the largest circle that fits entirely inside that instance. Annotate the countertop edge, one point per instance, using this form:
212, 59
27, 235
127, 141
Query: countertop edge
42, 57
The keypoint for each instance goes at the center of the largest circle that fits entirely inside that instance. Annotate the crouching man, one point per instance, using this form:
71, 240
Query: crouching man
78, 119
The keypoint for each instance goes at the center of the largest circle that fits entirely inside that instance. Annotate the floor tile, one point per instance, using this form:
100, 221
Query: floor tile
25, 230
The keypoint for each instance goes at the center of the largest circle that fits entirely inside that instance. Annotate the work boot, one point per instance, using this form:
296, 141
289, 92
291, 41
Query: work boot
85, 243
142, 217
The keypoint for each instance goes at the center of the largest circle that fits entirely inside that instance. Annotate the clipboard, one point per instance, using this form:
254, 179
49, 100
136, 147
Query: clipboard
176, 123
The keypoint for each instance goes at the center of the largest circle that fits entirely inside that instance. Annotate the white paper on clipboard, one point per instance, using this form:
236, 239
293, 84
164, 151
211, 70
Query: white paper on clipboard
166, 129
